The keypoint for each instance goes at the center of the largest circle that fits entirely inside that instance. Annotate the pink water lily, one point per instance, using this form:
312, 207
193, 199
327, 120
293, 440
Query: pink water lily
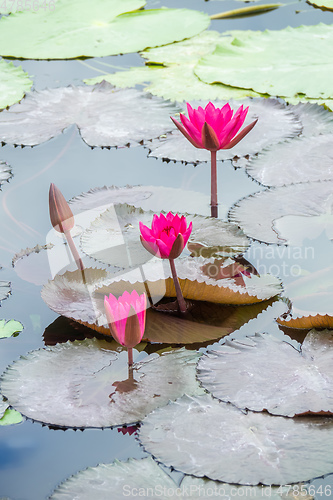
127, 318
167, 237
214, 128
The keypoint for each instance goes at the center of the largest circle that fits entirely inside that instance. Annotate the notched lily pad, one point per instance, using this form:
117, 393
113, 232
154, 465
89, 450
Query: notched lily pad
204, 437
265, 373
79, 29
4, 290
5, 172
105, 116
14, 83
261, 215
276, 123
10, 328
85, 384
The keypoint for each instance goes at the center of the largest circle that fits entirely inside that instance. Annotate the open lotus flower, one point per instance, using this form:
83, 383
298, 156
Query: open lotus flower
127, 318
167, 237
213, 129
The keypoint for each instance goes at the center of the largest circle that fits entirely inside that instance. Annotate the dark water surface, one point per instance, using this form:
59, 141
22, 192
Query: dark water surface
33, 458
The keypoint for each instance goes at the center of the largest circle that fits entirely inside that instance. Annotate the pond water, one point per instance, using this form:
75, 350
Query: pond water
34, 459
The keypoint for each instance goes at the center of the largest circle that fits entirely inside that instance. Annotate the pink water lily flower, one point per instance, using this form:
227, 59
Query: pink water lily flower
126, 317
167, 237
214, 128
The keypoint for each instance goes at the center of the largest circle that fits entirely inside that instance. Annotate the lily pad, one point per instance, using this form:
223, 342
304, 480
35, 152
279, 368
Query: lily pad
4, 289
169, 72
82, 301
260, 215
114, 237
11, 417
322, 4
276, 123
204, 437
299, 160
274, 62
5, 172
85, 384
10, 328
145, 475
14, 83
105, 116
105, 28
266, 373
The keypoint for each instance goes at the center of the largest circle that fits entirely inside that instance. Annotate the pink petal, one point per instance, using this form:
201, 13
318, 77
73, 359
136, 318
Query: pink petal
240, 136
183, 224
191, 129
187, 234
146, 232
185, 133
164, 249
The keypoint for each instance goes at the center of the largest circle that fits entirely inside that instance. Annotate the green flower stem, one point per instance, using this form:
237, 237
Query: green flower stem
213, 200
74, 251
180, 298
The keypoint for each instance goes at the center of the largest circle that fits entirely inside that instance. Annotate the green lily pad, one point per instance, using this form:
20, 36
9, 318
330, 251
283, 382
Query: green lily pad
14, 83
248, 374
274, 62
169, 72
276, 123
322, 4
204, 437
85, 384
105, 116
10, 328
284, 214
105, 28
11, 417
145, 475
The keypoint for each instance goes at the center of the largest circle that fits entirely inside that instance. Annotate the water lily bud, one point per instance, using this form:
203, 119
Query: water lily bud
61, 215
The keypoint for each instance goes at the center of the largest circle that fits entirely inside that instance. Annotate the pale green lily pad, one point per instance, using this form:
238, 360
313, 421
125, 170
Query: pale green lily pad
105, 116
248, 374
169, 72
14, 83
85, 384
145, 475
276, 123
322, 4
274, 62
11, 417
5, 172
104, 28
300, 160
10, 328
204, 437
325, 103
114, 237
262, 214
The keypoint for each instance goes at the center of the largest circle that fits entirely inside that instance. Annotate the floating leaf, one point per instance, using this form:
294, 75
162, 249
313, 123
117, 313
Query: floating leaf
10, 328
266, 373
105, 116
274, 62
85, 384
5, 172
169, 72
276, 123
14, 83
145, 475
79, 29
11, 417
114, 237
262, 214
300, 160
204, 437
322, 4
252, 10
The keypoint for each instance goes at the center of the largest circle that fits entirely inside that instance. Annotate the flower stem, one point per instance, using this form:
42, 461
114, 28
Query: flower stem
74, 251
130, 356
180, 298
213, 199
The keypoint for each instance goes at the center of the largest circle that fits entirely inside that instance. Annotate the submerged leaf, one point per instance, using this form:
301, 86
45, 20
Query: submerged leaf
204, 437
14, 83
79, 28
10, 328
276, 123
85, 384
284, 214
265, 373
105, 116
274, 62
